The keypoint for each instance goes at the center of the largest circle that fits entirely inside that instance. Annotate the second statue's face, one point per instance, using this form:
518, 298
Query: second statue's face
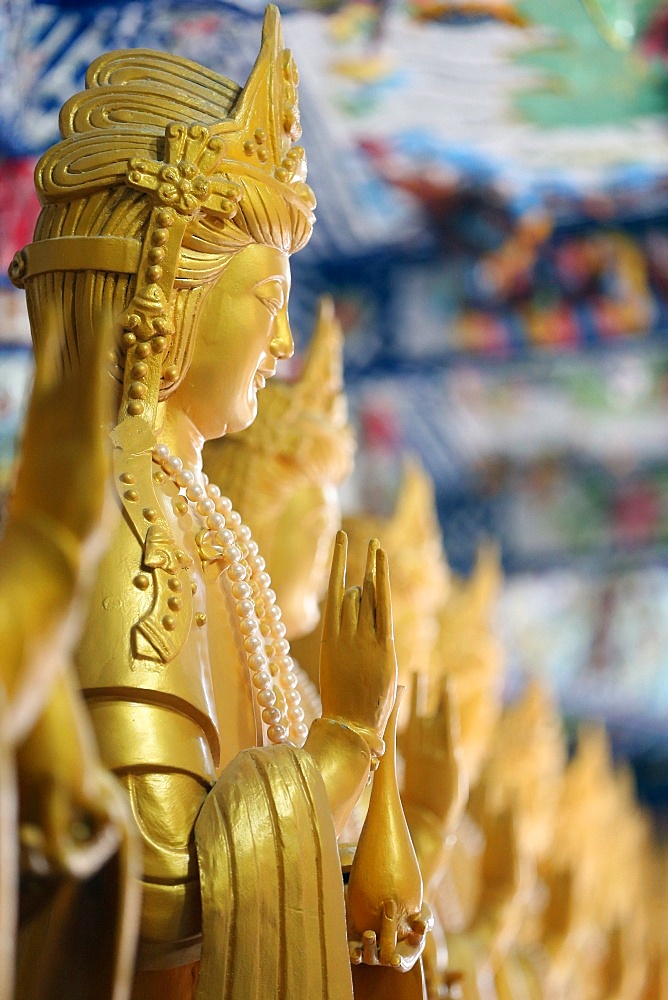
298, 547
242, 332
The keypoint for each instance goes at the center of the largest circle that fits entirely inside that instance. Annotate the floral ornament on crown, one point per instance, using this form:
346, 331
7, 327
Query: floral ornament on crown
183, 180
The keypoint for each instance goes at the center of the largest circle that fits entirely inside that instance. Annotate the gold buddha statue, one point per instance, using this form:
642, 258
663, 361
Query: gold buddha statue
469, 653
171, 207
626, 884
59, 804
283, 473
655, 986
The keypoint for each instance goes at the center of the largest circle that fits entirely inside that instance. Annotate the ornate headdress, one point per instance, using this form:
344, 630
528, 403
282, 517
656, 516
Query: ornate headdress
193, 142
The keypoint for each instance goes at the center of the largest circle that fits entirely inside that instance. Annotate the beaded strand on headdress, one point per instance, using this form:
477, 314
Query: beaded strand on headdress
266, 649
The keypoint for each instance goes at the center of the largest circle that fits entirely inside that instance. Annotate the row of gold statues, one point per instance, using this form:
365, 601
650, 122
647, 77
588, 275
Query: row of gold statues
190, 809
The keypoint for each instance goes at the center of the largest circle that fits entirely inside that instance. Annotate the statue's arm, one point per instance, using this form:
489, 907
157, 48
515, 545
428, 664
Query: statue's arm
56, 524
358, 679
38, 580
71, 812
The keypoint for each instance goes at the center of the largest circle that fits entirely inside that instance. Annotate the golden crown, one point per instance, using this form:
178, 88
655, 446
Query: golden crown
190, 133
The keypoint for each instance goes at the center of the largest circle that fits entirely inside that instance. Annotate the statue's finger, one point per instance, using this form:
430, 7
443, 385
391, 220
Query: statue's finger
350, 610
369, 948
389, 922
384, 629
335, 590
355, 953
57, 820
368, 603
444, 719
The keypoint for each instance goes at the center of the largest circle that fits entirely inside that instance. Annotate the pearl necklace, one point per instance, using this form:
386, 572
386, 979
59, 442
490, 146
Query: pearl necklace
267, 651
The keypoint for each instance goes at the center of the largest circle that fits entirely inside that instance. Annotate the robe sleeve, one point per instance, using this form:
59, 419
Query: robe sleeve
273, 912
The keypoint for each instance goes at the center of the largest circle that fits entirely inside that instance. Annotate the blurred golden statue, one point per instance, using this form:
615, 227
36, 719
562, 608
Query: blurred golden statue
170, 209
469, 653
574, 933
74, 823
284, 471
605, 950
523, 776
626, 880
474, 875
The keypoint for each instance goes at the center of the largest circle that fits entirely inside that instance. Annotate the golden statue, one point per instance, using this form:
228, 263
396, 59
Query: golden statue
385, 892
656, 979
626, 881
171, 206
574, 931
470, 655
615, 901
74, 822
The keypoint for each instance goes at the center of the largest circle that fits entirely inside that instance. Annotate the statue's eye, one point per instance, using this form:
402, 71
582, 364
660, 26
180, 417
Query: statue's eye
272, 294
273, 305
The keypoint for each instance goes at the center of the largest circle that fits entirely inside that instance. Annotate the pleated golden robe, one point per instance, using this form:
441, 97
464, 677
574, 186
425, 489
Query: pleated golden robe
272, 894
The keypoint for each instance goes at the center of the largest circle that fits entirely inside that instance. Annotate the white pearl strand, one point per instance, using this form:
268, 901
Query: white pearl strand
266, 649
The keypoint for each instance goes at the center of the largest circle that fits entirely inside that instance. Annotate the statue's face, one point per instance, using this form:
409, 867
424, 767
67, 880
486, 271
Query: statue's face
242, 332
299, 552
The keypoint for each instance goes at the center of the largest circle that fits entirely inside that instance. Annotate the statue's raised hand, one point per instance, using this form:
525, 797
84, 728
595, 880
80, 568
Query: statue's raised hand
358, 664
434, 777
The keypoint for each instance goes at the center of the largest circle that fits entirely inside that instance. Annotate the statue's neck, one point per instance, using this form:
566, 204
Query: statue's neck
181, 436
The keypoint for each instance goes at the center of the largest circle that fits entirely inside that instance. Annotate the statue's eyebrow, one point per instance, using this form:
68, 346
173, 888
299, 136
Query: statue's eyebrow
265, 291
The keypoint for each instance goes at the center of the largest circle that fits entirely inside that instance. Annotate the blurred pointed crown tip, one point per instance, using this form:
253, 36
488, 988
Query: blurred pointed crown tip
320, 388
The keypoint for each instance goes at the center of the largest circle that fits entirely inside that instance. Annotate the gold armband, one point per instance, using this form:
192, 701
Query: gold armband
374, 742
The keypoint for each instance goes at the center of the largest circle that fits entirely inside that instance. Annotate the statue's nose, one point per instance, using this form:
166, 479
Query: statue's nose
282, 345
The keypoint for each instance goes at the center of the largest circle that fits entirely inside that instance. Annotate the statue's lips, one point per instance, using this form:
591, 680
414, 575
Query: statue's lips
261, 376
